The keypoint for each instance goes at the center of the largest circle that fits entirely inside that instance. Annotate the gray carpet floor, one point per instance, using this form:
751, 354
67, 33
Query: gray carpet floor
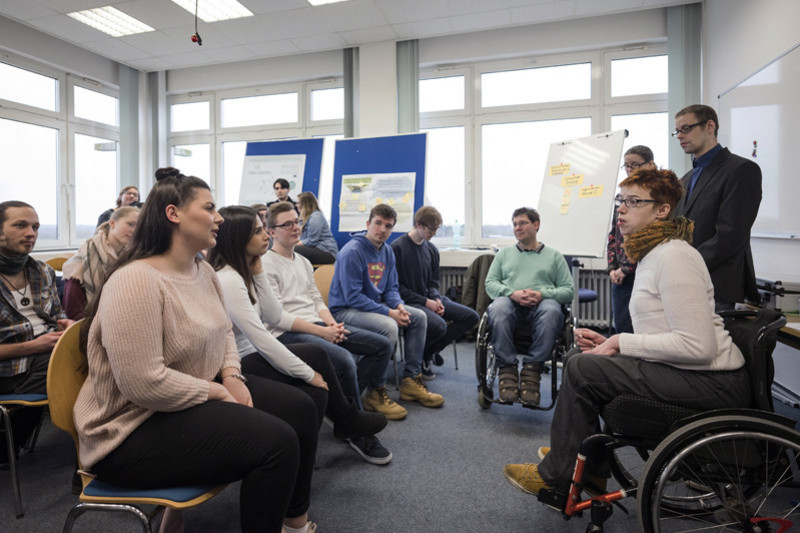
446, 475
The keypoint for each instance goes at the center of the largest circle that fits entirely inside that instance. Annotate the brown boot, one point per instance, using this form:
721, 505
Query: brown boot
529, 384
509, 384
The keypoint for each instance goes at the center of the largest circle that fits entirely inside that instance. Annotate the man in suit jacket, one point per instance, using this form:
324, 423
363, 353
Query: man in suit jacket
723, 193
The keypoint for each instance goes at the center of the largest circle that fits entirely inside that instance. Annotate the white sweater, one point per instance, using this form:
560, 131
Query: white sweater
248, 323
292, 282
672, 308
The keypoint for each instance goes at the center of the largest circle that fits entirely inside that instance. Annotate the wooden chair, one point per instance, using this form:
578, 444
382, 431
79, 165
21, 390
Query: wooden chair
58, 262
8, 404
65, 377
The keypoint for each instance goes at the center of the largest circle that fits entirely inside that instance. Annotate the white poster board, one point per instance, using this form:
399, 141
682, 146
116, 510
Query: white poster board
577, 200
261, 171
362, 192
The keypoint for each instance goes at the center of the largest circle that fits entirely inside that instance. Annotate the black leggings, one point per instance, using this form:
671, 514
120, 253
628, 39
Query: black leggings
270, 448
333, 402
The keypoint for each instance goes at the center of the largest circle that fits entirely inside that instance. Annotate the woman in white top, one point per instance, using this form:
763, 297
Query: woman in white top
250, 302
679, 353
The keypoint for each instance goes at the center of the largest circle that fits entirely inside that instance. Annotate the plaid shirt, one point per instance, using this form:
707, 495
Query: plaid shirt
14, 327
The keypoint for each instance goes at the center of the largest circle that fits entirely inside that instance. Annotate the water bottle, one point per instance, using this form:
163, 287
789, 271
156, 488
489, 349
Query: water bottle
456, 235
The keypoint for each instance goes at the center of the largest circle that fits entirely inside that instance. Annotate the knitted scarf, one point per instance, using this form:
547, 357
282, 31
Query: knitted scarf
90, 263
637, 245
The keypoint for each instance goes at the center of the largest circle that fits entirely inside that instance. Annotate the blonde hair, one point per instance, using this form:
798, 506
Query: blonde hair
307, 204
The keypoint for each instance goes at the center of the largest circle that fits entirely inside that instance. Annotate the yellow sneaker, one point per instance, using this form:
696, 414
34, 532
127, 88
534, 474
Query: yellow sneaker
413, 390
542, 451
378, 400
525, 477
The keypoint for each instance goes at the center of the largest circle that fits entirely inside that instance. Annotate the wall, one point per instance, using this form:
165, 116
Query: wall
741, 36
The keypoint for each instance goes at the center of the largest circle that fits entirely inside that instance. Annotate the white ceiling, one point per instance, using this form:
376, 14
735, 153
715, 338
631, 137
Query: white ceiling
283, 27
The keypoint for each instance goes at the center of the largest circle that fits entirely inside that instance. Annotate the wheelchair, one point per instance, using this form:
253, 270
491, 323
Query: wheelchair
721, 470
487, 373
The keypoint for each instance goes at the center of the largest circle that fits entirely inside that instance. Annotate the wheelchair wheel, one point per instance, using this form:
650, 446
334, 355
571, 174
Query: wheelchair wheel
484, 364
722, 473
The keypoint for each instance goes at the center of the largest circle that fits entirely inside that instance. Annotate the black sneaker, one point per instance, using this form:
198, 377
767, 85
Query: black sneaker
438, 360
427, 371
371, 450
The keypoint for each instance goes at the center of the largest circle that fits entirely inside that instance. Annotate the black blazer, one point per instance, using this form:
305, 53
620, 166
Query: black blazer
723, 206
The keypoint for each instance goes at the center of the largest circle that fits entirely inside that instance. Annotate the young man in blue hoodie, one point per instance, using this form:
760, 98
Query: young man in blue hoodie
365, 293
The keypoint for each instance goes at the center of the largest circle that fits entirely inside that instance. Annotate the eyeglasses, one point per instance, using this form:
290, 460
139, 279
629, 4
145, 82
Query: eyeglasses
633, 166
632, 202
289, 225
686, 129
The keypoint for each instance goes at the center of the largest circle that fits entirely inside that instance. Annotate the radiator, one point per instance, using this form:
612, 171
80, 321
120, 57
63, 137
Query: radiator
596, 314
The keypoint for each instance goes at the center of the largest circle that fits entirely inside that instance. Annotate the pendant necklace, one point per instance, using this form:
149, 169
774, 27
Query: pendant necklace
24, 292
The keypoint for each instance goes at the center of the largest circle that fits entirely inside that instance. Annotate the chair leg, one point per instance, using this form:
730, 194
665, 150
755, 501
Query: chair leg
397, 348
31, 445
12, 460
455, 354
81, 508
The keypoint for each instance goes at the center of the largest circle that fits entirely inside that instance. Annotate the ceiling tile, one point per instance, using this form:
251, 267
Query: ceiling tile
67, 28
26, 9
245, 31
411, 10
273, 6
273, 48
328, 41
190, 59
150, 64
426, 28
369, 35
68, 6
543, 12
351, 15
115, 49
232, 53
156, 43
301, 23
158, 14
481, 21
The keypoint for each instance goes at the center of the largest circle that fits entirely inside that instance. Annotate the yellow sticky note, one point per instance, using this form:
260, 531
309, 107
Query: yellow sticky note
575, 179
355, 196
564, 209
557, 170
565, 201
362, 207
342, 205
591, 191
567, 192
378, 200
390, 201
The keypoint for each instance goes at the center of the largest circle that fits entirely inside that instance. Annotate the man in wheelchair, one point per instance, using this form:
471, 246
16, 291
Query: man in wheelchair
679, 353
528, 283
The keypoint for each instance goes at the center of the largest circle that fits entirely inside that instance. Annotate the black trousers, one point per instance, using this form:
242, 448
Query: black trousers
315, 255
333, 402
592, 381
271, 448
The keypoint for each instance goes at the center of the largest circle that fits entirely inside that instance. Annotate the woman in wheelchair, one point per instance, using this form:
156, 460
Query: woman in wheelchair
679, 353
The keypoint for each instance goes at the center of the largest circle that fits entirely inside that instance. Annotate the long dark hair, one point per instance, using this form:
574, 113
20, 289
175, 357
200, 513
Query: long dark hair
153, 233
232, 241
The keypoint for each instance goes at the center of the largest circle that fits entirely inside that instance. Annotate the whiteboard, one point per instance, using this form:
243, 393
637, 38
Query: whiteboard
578, 190
758, 119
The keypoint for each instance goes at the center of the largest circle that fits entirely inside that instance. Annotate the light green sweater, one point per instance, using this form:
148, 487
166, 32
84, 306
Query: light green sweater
545, 271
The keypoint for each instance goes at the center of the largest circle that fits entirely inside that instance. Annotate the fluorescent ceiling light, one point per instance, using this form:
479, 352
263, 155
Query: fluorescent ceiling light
320, 2
111, 21
214, 10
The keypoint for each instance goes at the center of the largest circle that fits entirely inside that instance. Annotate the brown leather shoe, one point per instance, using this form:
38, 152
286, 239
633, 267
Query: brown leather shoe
529, 380
509, 384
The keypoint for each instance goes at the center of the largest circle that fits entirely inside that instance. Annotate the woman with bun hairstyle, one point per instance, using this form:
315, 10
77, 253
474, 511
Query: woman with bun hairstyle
165, 403
85, 271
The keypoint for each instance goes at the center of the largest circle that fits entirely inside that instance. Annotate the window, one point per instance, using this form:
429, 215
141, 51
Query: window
514, 161
193, 160
649, 129
639, 75
28, 88
254, 110
327, 104
95, 160
190, 116
441, 94
536, 85
445, 175
95, 106
29, 171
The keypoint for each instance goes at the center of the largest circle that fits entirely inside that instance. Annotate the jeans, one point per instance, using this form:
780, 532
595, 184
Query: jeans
545, 320
371, 368
413, 334
440, 333
620, 300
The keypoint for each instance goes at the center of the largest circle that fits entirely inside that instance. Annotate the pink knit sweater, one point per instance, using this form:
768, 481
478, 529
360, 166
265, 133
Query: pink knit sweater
155, 343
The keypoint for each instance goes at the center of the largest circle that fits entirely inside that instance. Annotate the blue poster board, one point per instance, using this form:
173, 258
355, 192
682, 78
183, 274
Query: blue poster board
258, 185
397, 154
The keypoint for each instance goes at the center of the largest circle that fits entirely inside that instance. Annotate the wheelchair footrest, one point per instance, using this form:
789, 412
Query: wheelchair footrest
554, 498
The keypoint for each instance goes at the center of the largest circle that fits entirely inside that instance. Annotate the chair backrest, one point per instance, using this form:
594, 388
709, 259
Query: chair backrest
65, 376
756, 333
58, 262
323, 277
